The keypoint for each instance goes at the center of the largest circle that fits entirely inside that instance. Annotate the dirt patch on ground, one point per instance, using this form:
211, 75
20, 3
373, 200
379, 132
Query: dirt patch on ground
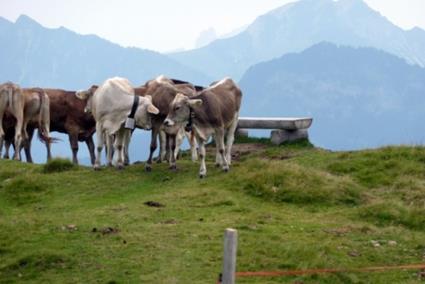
153, 204
106, 230
240, 150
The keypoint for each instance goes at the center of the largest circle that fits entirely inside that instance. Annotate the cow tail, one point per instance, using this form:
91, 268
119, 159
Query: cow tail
10, 97
44, 118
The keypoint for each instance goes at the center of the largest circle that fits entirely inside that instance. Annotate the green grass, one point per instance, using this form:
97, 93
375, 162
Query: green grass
294, 206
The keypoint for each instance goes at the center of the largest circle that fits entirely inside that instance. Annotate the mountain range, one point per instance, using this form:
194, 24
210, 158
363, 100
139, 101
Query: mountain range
299, 25
358, 97
33, 55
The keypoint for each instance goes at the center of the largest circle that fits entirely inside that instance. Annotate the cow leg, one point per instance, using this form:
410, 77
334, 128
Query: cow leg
172, 149
179, 142
203, 168
90, 146
2, 135
27, 145
219, 143
218, 159
119, 145
100, 141
127, 138
194, 153
230, 138
6, 149
163, 146
154, 135
19, 131
110, 150
73, 141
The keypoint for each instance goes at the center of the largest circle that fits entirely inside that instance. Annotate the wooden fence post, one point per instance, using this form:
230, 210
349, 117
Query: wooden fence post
229, 258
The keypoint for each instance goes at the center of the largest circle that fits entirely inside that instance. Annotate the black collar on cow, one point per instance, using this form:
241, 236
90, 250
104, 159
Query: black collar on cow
189, 124
134, 107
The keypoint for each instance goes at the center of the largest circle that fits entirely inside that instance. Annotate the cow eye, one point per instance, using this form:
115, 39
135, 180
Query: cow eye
177, 108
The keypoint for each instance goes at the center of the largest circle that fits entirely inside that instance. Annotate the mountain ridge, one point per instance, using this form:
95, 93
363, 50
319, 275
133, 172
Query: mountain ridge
359, 97
299, 25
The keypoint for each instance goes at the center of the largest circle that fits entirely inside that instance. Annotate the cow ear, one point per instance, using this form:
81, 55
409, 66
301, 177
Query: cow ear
195, 103
82, 95
152, 109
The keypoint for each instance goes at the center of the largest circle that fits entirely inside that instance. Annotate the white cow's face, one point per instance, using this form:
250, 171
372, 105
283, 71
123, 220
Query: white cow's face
144, 113
179, 110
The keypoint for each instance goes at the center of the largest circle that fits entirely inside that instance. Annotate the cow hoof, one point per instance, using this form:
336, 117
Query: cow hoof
217, 165
202, 176
120, 167
173, 168
110, 165
96, 167
225, 170
148, 168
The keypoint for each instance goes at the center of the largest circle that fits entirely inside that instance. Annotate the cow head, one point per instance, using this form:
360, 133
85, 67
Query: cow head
179, 111
145, 110
87, 96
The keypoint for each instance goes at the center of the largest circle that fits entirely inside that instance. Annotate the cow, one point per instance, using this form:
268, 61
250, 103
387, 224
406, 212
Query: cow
37, 111
117, 110
36, 114
163, 91
66, 116
214, 111
12, 100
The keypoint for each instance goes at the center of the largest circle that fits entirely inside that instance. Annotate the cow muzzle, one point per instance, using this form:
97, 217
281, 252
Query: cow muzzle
168, 122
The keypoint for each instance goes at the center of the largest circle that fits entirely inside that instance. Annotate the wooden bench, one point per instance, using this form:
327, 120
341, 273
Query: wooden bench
283, 128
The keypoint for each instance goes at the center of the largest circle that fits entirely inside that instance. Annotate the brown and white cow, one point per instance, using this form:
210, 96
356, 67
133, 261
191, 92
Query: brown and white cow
163, 91
214, 111
111, 105
37, 111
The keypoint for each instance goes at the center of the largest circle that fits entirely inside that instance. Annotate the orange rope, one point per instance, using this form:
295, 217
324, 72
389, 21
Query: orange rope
322, 271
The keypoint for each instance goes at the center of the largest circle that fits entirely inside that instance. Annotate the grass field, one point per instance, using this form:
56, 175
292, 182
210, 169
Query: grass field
295, 207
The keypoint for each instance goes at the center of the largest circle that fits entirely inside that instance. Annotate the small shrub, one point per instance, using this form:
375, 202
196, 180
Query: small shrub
385, 214
58, 165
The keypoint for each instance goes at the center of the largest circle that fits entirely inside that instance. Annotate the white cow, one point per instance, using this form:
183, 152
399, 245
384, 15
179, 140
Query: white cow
111, 105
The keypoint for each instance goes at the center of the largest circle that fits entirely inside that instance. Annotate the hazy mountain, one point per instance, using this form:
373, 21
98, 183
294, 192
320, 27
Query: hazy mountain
32, 55
297, 26
206, 37
358, 97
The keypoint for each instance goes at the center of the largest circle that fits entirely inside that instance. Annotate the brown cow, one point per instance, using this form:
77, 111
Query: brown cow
163, 91
67, 116
12, 100
214, 111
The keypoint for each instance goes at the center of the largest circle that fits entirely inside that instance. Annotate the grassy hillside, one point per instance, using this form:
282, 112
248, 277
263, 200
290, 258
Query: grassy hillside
294, 206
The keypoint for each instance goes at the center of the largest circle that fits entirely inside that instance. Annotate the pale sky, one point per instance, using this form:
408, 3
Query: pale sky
165, 25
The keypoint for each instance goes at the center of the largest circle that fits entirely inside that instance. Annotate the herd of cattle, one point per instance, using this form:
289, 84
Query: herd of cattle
171, 109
